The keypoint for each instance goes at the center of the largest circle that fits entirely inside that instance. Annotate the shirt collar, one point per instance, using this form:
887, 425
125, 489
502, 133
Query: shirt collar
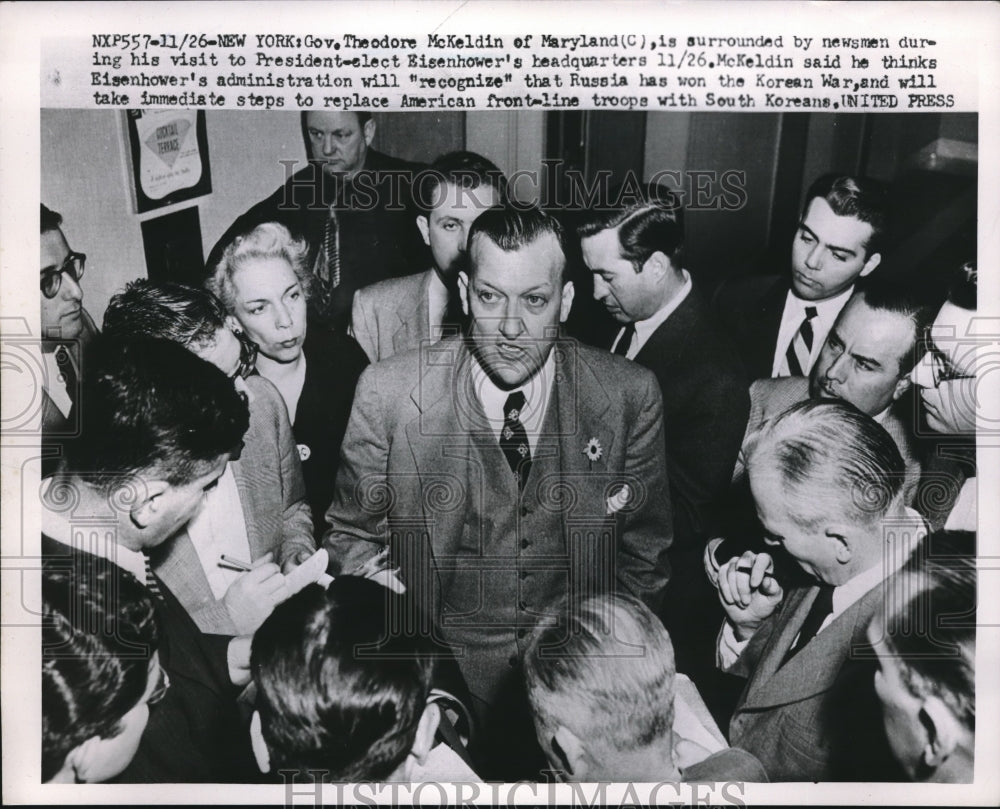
645, 328
537, 391
897, 549
827, 309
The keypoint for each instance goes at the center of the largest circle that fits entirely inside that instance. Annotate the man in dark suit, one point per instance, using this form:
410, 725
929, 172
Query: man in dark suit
352, 204
505, 470
633, 251
827, 483
779, 322
67, 331
398, 314
158, 427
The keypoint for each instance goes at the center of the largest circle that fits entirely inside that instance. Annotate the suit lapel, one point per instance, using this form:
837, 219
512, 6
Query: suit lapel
414, 318
815, 668
668, 342
581, 406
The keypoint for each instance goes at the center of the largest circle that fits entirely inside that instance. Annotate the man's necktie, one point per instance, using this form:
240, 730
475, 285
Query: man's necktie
67, 373
796, 362
152, 583
514, 439
330, 266
625, 343
821, 608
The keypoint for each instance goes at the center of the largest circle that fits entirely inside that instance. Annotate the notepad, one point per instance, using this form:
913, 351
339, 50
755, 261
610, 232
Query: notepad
311, 571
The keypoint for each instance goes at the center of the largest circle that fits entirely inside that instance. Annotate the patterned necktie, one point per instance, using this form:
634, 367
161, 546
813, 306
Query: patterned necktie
152, 583
818, 612
514, 439
625, 342
67, 373
796, 361
330, 266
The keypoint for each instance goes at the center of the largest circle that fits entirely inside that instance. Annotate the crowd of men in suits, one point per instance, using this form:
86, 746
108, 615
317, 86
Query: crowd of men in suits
548, 557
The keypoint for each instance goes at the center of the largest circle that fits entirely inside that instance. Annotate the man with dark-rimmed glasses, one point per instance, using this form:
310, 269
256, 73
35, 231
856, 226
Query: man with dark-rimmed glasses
66, 330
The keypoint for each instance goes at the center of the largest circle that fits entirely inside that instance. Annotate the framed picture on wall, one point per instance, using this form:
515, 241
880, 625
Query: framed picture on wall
168, 157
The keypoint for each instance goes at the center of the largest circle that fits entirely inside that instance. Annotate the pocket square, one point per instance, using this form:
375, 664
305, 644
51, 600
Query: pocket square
618, 500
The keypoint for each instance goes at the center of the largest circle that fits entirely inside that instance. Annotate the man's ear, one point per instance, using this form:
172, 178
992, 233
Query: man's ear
944, 731
424, 226
570, 751
657, 264
873, 261
426, 730
902, 386
567, 301
463, 291
369, 131
841, 535
147, 506
260, 751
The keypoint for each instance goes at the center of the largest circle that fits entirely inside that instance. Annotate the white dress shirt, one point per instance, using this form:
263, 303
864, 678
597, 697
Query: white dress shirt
55, 386
791, 320
537, 392
219, 528
644, 328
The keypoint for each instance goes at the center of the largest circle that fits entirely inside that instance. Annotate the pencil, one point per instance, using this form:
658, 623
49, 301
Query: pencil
236, 564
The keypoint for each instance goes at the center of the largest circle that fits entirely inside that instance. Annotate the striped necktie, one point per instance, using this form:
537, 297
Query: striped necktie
796, 361
152, 583
330, 266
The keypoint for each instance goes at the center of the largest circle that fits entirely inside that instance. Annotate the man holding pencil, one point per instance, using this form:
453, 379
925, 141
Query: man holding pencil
827, 483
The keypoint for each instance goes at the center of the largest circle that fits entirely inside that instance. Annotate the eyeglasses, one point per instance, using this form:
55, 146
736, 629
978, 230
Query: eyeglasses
248, 357
51, 280
162, 686
942, 370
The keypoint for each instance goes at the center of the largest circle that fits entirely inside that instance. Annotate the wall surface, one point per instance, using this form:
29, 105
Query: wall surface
245, 150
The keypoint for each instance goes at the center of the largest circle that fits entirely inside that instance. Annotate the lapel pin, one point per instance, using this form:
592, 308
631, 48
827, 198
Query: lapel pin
593, 451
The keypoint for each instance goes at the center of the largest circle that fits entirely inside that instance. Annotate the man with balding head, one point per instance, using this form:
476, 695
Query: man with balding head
351, 203
827, 483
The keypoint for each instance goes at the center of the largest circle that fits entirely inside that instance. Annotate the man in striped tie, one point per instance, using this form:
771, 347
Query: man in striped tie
780, 322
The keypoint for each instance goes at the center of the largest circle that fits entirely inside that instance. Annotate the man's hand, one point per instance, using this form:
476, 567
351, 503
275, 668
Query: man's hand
748, 591
377, 569
710, 562
252, 597
294, 561
238, 658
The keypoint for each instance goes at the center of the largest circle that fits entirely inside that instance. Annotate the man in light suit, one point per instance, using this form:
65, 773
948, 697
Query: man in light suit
866, 360
398, 314
505, 471
257, 513
827, 483
779, 322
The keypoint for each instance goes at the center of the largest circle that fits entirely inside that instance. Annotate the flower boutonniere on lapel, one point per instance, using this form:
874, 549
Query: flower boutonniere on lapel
593, 451
304, 452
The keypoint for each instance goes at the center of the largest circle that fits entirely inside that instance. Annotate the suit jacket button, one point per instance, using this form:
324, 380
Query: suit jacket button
522, 632
525, 511
524, 543
512, 662
524, 574
522, 605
